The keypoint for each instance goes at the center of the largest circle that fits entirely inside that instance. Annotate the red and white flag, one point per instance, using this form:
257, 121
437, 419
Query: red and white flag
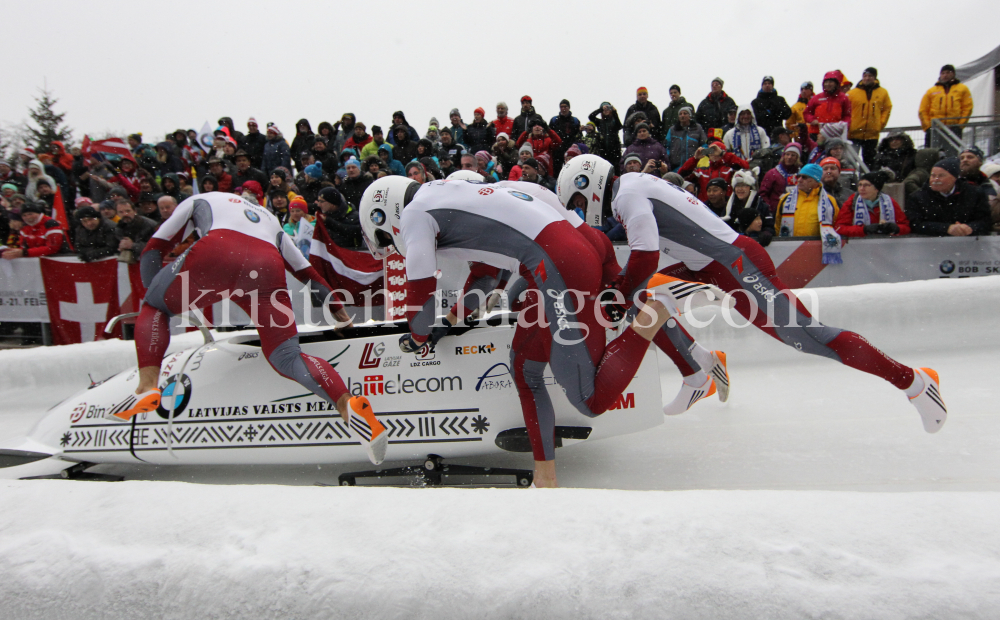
81, 298
348, 271
113, 146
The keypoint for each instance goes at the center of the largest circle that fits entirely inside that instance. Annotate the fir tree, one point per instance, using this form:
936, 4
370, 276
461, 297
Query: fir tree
48, 125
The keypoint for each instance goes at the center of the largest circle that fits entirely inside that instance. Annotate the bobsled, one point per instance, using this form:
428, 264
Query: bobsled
223, 404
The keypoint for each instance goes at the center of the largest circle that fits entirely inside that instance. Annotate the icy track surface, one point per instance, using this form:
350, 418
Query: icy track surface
813, 493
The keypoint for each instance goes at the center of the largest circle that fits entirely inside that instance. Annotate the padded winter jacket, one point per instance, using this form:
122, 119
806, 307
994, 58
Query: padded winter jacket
931, 213
870, 109
946, 101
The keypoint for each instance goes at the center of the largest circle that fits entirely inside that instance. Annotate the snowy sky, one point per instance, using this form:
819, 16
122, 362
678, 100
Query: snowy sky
131, 66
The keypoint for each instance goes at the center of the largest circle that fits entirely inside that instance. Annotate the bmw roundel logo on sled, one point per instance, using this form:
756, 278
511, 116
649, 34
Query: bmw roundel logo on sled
170, 393
378, 217
947, 267
253, 217
520, 195
581, 181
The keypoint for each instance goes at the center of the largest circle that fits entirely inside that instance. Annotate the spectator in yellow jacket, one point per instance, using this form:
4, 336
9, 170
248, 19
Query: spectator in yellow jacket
806, 93
806, 207
870, 109
948, 99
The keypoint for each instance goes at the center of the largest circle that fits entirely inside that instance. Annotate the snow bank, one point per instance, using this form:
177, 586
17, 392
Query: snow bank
175, 550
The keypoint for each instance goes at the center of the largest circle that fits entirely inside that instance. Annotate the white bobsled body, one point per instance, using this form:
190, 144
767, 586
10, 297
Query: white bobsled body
457, 399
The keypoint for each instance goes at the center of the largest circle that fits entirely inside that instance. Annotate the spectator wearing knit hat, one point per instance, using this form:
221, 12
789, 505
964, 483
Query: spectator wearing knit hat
276, 151
644, 105
684, 138
340, 218
479, 136
533, 172
834, 184
970, 161
95, 237
506, 155
567, 127
713, 108
355, 183
806, 208
457, 126
645, 146
523, 121
744, 199
371, 147
543, 140
769, 108
670, 112
40, 235
359, 138
781, 176
715, 197
948, 205
870, 212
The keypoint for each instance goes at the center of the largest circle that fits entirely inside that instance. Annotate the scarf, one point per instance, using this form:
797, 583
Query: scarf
829, 236
861, 216
791, 178
754, 140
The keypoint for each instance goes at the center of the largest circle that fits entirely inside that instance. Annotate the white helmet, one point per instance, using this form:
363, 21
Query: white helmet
380, 210
590, 176
466, 175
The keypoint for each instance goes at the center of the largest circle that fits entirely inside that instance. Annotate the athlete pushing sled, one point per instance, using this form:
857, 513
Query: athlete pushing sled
560, 325
242, 253
658, 215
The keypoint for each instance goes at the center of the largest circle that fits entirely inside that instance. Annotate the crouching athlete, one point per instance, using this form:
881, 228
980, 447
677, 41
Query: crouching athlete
658, 216
560, 325
241, 252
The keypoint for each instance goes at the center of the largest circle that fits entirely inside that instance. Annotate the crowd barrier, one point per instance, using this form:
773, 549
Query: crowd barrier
75, 299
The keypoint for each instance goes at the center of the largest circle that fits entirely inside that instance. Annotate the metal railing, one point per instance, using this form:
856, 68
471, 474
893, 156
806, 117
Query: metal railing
981, 131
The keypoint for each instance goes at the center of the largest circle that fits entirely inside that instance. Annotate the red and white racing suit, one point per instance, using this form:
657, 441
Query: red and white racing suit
510, 229
658, 216
241, 254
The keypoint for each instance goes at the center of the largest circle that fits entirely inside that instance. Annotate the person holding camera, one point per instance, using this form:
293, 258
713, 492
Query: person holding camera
646, 147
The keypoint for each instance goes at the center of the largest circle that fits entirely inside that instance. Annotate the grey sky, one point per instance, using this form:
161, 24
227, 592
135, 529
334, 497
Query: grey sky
154, 67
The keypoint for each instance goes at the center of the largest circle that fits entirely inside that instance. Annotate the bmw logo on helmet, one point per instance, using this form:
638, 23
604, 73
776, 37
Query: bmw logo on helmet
521, 195
378, 217
253, 217
581, 181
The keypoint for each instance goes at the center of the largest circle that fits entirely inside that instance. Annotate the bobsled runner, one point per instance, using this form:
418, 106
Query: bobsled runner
223, 404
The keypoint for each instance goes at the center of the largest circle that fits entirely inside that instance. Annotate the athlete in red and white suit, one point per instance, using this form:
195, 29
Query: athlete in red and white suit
241, 254
510, 229
660, 217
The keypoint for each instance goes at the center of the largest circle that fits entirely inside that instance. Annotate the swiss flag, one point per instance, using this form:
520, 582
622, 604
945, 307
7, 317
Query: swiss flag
346, 270
82, 297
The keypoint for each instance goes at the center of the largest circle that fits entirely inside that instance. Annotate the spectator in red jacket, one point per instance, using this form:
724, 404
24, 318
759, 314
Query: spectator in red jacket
830, 107
128, 178
502, 123
870, 212
224, 179
359, 139
721, 165
542, 139
40, 236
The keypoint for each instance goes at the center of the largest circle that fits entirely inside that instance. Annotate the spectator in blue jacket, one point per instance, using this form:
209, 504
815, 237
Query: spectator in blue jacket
276, 151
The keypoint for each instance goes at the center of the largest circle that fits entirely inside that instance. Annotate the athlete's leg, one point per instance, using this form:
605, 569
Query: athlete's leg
790, 321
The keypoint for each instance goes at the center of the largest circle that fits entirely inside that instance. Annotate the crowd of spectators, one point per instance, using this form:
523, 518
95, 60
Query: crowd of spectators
766, 167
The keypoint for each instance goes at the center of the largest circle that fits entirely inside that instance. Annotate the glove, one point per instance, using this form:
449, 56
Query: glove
408, 345
615, 311
888, 228
873, 229
492, 301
